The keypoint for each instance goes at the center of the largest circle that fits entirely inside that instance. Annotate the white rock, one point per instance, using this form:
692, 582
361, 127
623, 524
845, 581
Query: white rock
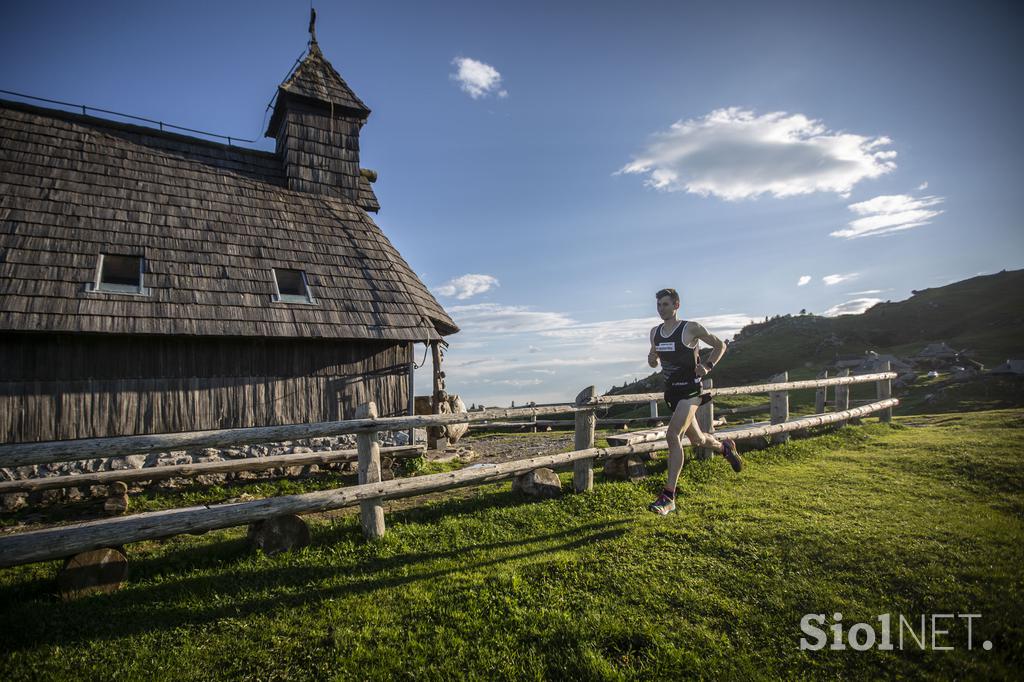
541, 483
13, 501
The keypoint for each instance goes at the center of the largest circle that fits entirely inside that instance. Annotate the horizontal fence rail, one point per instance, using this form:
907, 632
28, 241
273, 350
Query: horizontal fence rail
65, 451
158, 473
56, 543
745, 390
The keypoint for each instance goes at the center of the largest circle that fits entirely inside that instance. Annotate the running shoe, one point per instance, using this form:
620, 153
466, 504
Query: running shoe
663, 505
732, 455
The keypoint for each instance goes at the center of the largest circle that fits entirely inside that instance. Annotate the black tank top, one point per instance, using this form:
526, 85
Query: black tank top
678, 362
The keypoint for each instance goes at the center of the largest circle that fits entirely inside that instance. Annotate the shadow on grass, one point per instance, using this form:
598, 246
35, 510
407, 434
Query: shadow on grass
199, 600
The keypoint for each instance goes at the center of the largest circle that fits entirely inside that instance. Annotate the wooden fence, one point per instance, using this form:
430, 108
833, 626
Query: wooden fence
369, 494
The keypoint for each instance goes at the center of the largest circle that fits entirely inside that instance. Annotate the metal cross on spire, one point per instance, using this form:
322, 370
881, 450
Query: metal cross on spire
312, 25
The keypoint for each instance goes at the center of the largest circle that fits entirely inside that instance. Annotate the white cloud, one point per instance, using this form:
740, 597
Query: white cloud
534, 349
467, 285
632, 329
865, 292
831, 280
923, 186
734, 154
477, 79
517, 382
804, 279
889, 213
494, 318
603, 332
852, 307
725, 326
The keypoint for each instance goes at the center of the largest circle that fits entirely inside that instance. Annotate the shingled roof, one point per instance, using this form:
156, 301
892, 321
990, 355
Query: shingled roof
211, 221
316, 81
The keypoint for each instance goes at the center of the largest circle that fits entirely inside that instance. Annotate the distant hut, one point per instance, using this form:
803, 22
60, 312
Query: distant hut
1011, 366
938, 351
935, 356
873, 362
153, 282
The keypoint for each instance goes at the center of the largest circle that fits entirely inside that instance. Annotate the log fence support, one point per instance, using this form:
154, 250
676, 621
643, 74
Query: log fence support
821, 394
884, 392
779, 410
706, 420
586, 420
371, 511
842, 397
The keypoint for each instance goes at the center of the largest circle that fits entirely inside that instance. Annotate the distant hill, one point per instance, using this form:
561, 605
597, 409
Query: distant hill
983, 315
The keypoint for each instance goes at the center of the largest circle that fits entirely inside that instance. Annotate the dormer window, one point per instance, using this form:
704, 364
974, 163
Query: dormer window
119, 275
291, 286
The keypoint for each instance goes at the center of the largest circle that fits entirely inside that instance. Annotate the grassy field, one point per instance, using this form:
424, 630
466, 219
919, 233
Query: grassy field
925, 516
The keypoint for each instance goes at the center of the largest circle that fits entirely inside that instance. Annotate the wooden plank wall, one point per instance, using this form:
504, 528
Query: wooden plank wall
59, 387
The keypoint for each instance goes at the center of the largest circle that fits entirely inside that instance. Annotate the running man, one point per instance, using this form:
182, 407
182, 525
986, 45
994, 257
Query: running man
674, 343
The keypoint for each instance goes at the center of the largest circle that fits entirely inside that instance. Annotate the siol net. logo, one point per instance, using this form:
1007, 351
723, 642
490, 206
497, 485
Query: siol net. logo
927, 632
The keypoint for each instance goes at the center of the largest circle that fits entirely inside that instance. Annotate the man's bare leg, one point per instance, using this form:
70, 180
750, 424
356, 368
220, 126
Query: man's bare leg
700, 439
726, 448
681, 421
681, 418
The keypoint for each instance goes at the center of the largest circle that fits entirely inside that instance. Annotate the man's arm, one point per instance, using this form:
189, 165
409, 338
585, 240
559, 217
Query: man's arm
652, 356
710, 339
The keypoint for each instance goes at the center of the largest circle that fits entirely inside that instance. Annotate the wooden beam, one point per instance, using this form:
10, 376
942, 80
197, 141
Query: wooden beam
189, 470
62, 541
69, 450
435, 356
651, 435
583, 470
756, 388
884, 391
412, 389
371, 512
843, 395
779, 401
821, 395
750, 409
705, 417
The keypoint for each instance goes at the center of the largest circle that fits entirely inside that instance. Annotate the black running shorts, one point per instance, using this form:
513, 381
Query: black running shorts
685, 394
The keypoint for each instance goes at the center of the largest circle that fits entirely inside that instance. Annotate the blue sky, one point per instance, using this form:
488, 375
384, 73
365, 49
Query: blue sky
729, 150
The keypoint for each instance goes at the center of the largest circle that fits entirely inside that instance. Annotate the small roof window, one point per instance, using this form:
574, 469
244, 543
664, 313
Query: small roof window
291, 286
120, 274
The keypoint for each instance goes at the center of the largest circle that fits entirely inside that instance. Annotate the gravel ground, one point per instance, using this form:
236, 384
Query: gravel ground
505, 447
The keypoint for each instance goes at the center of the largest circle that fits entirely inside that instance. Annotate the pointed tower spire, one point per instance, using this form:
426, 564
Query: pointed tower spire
316, 121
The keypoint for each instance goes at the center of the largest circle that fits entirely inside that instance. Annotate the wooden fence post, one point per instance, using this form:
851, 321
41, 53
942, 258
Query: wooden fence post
706, 419
842, 397
654, 409
885, 391
371, 512
821, 395
779, 407
586, 420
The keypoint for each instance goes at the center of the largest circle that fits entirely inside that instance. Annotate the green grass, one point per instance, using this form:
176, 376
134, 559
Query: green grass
921, 517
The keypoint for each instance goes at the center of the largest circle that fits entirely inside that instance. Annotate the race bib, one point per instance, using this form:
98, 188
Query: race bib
666, 346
